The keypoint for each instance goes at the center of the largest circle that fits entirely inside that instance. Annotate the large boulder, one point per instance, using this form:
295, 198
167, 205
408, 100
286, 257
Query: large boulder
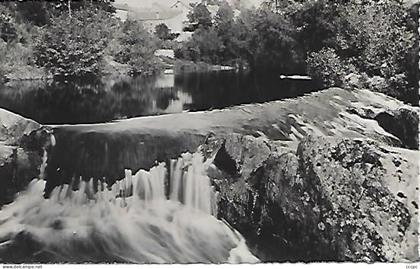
23, 147
332, 199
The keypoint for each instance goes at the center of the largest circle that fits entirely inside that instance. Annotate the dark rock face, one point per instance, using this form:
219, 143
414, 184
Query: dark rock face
23, 144
403, 123
332, 199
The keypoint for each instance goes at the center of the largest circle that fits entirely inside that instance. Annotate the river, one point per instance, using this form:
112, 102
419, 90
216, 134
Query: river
163, 212
119, 97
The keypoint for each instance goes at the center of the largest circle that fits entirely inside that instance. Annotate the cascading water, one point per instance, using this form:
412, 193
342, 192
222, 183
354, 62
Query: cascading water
131, 221
190, 185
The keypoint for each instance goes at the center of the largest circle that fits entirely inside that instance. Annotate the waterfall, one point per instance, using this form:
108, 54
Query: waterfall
190, 184
44, 158
135, 220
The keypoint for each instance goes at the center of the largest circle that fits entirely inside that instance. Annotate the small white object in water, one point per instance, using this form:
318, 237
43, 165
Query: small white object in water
296, 77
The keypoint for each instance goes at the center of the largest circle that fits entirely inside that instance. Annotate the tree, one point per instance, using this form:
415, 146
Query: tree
200, 16
67, 6
375, 39
267, 40
316, 23
41, 12
224, 26
35, 12
224, 18
8, 30
163, 32
137, 48
74, 46
205, 45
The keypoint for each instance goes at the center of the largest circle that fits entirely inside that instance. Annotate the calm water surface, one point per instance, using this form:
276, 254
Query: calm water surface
113, 98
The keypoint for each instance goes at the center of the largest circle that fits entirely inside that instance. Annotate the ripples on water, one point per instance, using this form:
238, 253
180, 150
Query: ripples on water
132, 221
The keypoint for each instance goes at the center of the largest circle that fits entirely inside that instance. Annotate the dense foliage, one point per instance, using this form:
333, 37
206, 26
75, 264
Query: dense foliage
200, 16
137, 48
331, 40
74, 46
370, 41
76, 41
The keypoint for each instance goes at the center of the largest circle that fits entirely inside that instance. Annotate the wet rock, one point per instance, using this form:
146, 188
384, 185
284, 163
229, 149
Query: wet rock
332, 199
22, 147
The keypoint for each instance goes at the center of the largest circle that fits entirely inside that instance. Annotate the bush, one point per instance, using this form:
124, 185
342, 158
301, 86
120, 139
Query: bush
74, 46
328, 68
377, 39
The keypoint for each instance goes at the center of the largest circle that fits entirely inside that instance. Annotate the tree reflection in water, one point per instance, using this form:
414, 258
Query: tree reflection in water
91, 100
88, 100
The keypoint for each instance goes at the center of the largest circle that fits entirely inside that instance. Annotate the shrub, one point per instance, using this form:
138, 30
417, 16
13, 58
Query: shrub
327, 67
74, 46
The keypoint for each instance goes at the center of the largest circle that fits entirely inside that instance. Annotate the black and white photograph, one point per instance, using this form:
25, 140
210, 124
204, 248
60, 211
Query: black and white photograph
252, 132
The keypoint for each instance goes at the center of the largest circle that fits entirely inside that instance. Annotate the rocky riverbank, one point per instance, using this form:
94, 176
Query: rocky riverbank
23, 146
332, 175
331, 199
104, 150
329, 176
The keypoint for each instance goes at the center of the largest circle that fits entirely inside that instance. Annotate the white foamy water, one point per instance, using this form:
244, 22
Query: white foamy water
131, 221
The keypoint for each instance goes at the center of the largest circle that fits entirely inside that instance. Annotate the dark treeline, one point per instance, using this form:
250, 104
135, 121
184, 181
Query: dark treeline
354, 43
362, 43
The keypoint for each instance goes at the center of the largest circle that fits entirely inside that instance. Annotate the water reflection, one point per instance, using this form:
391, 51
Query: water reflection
112, 98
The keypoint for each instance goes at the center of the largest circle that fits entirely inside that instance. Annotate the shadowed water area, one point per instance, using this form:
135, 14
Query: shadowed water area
112, 98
